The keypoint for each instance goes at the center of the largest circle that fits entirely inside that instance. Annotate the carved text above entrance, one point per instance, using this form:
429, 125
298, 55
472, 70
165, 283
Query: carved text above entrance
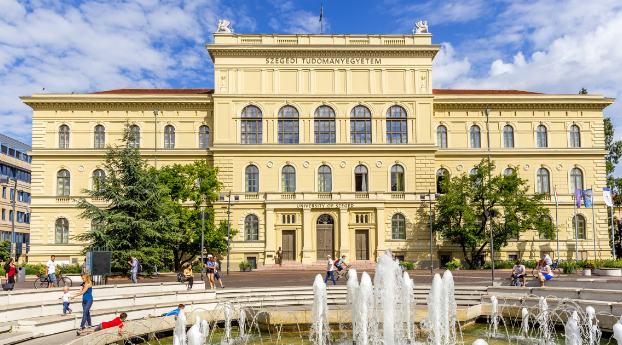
325, 205
324, 61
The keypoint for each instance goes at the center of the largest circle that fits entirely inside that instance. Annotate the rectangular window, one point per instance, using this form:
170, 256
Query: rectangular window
12, 193
4, 192
10, 216
3, 214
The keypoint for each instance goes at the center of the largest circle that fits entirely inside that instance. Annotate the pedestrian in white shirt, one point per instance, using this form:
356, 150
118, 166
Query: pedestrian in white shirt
547, 259
51, 271
329, 270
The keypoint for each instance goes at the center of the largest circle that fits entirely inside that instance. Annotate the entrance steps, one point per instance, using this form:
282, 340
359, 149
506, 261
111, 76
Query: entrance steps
359, 265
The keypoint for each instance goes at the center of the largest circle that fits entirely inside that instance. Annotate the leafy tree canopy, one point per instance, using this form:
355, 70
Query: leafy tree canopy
460, 213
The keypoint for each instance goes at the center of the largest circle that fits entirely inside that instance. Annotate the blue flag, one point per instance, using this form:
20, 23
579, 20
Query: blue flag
587, 197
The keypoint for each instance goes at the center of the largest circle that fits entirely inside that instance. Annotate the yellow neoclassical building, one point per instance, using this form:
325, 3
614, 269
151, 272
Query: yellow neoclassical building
329, 142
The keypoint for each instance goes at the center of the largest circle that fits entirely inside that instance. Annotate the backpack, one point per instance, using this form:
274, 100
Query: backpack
139, 266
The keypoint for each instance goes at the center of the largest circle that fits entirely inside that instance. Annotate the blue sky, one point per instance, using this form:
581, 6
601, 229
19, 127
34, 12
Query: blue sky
551, 46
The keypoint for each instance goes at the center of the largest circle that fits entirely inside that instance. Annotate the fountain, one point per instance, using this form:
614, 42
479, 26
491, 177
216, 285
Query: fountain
194, 333
364, 307
617, 331
573, 334
494, 315
179, 333
319, 329
227, 311
525, 322
353, 287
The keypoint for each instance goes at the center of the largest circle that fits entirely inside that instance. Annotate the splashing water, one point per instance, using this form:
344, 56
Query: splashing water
617, 331
525, 322
432, 322
353, 287
227, 311
408, 305
450, 308
194, 333
242, 322
319, 329
364, 307
480, 342
573, 334
494, 314
543, 320
179, 333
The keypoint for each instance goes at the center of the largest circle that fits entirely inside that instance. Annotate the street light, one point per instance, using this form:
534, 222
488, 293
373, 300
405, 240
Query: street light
491, 215
423, 197
5, 180
203, 216
236, 198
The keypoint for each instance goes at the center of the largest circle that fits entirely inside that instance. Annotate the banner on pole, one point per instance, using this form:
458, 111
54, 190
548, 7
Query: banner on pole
577, 197
587, 197
607, 196
555, 189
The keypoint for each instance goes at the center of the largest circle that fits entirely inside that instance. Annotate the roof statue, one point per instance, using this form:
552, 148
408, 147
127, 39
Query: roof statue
224, 26
421, 27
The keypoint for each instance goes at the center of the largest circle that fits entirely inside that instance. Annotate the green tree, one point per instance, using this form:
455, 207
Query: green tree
137, 213
188, 188
583, 91
4, 250
460, 212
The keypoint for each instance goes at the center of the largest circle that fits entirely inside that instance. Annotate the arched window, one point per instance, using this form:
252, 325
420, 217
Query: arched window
325, 125
63, 137
288, 179
441, 137
508, 171
543, 181
100, 137
252, 179
62, 231
203, 137
578, 228
251, 125
441, 175
288, 128
474, 171
398, 227
575, 137
63, 179
360, 179
324, 179
360, 125
169, 137
396, 125
576, 179
541, 136
251, 228
508, 137
136, 134
397, 178
98, 179
476, 139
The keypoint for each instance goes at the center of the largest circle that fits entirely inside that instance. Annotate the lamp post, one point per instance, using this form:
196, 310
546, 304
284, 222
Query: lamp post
203, 197
490, 215
6, 179
423, 197
236, 198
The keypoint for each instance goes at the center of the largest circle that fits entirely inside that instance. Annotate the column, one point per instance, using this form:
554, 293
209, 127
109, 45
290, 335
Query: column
344, 233
381, 233
307, 244
269, 229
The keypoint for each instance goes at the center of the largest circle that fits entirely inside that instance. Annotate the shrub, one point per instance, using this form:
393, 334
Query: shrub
453, 265
569, 266
408, 265
244, 265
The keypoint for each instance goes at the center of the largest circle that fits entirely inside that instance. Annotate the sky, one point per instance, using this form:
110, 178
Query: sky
549, 46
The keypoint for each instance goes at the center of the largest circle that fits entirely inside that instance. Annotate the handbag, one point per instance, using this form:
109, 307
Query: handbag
8, 286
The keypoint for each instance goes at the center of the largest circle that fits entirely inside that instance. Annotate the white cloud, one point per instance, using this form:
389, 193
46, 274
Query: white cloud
290, 20
97, 45
447, 67
440, 12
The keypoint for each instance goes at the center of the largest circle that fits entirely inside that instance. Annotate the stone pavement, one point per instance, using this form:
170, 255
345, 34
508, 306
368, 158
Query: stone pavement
295, 278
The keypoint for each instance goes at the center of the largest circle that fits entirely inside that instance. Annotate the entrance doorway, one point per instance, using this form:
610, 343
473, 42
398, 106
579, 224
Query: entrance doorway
362, 243
445, 259
324, 230
289, 245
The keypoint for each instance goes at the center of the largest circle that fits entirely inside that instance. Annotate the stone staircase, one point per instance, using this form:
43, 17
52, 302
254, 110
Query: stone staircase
359, 265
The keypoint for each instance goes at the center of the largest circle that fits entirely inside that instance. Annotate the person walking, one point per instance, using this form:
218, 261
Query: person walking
84, 268
10, 271
329, 270
216, 275
189, 276
87, 300
134, 270
210, 271
51, 271
279, 257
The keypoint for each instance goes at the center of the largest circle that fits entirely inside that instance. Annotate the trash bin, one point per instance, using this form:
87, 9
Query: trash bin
21, 270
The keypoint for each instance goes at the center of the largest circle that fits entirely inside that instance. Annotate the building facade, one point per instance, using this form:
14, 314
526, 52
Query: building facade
15, 163
329, 141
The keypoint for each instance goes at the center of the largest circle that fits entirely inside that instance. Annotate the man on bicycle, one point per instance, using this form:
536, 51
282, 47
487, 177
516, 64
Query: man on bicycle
340, 263
518, 271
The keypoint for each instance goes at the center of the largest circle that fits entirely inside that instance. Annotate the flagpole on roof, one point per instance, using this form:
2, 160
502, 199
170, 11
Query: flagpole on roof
321, 22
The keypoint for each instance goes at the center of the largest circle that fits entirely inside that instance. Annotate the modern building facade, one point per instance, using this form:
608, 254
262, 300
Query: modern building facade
329, 141
15, 163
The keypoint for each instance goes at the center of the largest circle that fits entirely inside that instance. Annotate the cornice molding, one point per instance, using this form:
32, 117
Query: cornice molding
126, 105
513, 105
324, 53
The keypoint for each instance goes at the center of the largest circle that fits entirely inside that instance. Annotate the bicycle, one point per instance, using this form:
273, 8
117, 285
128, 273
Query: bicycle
555, 271
343, 273
43, 281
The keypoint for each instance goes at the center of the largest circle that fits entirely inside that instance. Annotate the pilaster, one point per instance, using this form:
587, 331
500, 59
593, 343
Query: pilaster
344, 233
269, 229
307, 245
